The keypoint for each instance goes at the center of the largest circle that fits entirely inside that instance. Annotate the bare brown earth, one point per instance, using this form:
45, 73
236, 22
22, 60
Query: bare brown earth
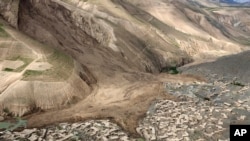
125, 104
118, 50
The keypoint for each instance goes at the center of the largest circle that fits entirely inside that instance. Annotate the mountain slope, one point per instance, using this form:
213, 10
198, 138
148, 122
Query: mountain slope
33, 74
120, 47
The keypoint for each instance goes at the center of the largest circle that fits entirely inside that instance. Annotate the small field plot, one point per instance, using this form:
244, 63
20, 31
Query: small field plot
58, 67
19, 50
39, 66
14, 56
8, 65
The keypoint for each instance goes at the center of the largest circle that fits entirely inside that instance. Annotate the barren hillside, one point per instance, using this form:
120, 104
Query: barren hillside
73, 60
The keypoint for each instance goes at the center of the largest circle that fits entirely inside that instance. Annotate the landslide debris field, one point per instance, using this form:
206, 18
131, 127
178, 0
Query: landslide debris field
123, 69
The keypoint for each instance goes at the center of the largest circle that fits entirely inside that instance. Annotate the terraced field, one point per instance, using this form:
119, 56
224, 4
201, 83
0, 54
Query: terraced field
26, 68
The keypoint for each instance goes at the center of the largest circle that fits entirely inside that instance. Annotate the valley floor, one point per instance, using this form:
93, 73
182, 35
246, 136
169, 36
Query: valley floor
204, 111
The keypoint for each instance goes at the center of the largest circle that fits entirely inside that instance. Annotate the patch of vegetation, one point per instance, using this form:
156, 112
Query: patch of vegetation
236, 83
8, 69
12, 126
173, 70
3, 33
170, 70
62, 68
7, 112
62, 65
28, 73
140, 139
